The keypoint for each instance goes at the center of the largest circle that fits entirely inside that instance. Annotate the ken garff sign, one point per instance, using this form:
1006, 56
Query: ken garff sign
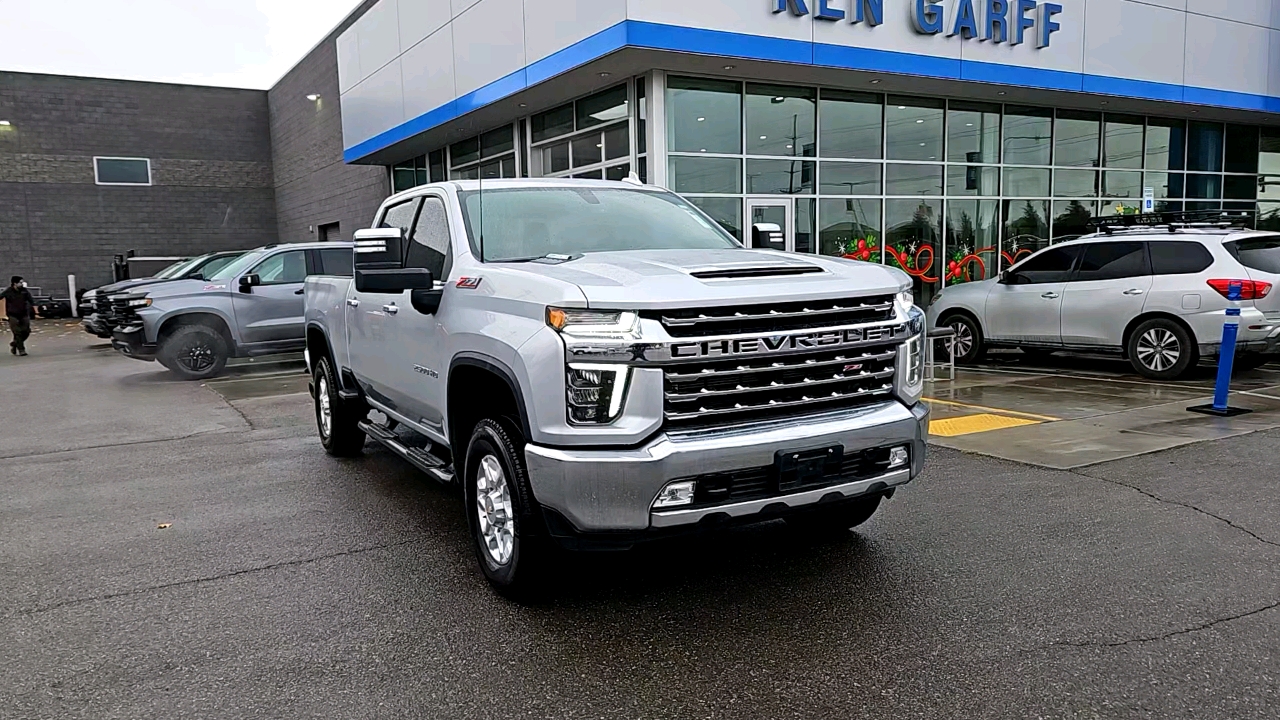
996, 21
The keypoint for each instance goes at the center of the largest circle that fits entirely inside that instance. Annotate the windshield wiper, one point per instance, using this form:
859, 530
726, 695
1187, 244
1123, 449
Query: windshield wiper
549, 258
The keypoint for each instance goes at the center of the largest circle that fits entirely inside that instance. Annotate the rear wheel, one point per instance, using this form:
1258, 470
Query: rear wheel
337, 420
967, 344
501, 510
194, 352
1161, 349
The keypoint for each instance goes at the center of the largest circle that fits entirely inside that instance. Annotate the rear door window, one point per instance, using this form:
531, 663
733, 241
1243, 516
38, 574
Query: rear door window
1261, 253
1051, 266
338, 262
1112, 261
1169, 257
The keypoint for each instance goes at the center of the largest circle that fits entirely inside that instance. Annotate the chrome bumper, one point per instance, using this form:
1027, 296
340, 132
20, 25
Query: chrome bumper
614, 490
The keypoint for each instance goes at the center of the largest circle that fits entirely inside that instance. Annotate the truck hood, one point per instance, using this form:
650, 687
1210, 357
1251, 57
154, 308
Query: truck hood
655, 279
179, 288
126, 285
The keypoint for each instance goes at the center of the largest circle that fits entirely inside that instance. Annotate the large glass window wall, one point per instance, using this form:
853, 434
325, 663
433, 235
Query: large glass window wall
949, 191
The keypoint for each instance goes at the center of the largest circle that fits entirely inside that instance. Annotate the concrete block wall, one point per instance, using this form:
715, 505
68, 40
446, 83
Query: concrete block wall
313, 186
210, 152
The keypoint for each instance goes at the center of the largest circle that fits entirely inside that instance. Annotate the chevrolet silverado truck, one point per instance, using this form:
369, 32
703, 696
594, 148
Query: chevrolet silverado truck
252, 306
597, 363
96, 307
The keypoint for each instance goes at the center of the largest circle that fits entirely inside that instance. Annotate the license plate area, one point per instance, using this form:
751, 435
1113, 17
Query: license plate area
799, 469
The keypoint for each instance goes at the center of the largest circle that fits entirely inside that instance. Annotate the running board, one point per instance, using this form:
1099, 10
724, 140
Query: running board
426, 462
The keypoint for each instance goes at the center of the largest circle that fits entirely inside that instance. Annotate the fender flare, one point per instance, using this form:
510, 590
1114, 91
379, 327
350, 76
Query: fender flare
499, 368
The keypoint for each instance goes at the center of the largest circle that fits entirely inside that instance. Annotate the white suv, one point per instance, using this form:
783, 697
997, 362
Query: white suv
1156, 295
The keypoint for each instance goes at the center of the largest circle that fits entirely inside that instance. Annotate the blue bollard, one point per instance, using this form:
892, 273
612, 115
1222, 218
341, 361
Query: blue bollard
1226, 358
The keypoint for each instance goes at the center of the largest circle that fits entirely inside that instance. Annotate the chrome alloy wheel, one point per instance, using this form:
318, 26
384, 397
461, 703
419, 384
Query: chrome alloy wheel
326, 411
493, 510
962, 343
1158, 349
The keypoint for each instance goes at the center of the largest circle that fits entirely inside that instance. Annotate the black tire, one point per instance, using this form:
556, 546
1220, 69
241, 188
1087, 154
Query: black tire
968, 343
837, 518
341, 436
194, 352
1251, 361
509, 539
1161, 349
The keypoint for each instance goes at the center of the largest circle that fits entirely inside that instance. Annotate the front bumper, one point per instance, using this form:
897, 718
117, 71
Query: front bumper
94, 325
131, 341
609, 491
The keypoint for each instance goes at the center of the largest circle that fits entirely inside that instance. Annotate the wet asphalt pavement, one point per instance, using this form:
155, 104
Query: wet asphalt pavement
292, 585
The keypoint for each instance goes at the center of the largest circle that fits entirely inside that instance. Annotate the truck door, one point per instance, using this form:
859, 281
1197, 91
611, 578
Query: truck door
272, 310
371, 326
421, 371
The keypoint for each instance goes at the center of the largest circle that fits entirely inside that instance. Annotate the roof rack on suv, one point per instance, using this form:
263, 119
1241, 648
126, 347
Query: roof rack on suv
1243, 219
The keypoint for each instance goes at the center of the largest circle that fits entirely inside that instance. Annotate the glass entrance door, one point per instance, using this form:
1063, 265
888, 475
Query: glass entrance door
776, 212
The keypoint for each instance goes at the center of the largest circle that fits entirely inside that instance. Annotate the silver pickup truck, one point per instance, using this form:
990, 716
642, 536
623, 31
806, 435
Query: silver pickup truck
601, 363
250, 307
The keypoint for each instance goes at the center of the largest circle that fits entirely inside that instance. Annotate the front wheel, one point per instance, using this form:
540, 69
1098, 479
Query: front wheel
337, 420
501, 511
194, 352
1161, 349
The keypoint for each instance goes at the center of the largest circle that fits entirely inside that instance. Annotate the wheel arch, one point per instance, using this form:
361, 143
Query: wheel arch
964, 312
1156, 315
486, 378
208, 319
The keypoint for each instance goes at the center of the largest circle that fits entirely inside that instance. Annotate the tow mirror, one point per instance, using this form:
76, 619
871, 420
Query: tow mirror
249, 282
768, 236
379, 248
394, 281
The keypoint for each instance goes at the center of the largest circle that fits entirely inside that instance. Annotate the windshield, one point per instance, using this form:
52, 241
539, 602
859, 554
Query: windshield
526, 223
175, 270
241, 264
211, 267
1261, 253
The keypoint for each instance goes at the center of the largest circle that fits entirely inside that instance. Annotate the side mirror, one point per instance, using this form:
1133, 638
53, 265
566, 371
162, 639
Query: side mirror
1004, 277
767, 235
394, 281
379, 248
249, 282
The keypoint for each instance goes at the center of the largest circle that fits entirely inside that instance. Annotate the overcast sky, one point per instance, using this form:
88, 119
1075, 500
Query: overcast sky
235, 43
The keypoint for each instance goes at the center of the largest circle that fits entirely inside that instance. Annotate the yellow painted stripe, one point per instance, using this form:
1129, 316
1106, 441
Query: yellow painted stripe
967, 406
970, 424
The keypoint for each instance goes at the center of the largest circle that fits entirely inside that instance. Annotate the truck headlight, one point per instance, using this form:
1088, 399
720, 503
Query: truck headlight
594, 393
909, 378
594, 323
140, 302
906, 298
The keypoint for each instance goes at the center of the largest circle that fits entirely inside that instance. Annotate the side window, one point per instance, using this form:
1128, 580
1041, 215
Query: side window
1051, 266
283, 268
1112, 261
430, 246
1179, 258
338, 262
400, 216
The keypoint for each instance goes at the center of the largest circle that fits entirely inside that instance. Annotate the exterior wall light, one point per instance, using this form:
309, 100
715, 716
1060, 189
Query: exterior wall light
5, 123
313, 97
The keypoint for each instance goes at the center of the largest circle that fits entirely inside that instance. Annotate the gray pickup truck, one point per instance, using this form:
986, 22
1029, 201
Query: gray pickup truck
96, 307
600, 363
250, 307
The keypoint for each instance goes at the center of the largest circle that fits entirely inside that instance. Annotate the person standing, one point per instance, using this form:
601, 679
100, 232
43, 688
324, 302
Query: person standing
20, 307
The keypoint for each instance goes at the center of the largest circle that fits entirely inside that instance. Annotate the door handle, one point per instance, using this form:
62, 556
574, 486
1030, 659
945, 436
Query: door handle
353, 302
1134, 291
1050, 296
390, 309
299, 291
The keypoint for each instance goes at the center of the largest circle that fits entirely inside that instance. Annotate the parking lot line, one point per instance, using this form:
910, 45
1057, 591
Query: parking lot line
983, 408
971, 424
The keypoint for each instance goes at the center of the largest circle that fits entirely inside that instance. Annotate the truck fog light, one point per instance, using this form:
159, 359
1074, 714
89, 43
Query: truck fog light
898, 457
594, 393
676, 493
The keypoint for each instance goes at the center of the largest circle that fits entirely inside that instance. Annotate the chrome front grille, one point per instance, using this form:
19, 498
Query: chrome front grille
718, 391
774, 317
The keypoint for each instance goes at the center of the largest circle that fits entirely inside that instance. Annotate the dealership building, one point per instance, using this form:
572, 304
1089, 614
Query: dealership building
946, 138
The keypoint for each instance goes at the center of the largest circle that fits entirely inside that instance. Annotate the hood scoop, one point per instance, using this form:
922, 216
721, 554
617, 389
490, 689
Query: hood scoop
740, 273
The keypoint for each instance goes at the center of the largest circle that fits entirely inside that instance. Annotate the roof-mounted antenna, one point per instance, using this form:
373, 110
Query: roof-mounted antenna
633, 178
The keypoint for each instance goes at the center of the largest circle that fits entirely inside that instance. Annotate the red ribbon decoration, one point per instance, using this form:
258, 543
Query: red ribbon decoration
922, 267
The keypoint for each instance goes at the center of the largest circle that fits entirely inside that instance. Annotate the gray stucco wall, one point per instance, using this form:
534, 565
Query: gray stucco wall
211, 172
313, 186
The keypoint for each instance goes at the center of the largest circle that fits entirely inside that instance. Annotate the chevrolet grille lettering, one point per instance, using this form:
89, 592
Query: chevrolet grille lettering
781, 343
